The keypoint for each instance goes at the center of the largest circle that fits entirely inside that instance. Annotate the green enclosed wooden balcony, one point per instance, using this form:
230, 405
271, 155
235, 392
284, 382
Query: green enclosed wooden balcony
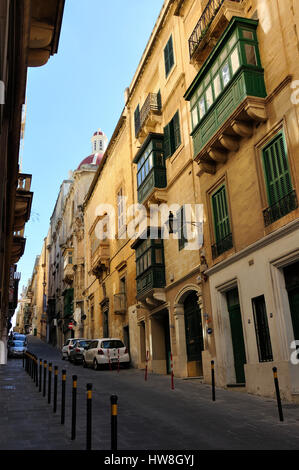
150, 269
228, 95
151, 169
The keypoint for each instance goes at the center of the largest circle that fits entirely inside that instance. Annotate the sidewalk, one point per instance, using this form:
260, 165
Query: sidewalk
27, 422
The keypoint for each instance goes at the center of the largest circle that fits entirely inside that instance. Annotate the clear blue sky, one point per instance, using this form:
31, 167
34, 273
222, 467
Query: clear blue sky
79, 90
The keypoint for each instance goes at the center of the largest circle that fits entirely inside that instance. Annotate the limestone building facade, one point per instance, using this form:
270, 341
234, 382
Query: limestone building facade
189, 226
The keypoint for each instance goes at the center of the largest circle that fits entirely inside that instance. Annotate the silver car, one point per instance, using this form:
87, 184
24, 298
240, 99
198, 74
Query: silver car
16, 348
66, 348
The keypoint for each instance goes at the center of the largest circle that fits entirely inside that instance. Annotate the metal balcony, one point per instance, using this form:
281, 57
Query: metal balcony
283, 207
205, 21
222, 246
148, 113
120, 303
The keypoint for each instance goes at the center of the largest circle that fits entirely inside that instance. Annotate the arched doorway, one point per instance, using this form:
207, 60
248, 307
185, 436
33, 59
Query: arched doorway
194, 334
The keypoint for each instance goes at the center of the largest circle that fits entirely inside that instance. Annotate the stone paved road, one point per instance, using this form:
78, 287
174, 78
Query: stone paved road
150, 414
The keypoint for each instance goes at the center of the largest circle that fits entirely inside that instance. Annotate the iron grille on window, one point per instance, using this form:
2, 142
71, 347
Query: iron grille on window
281, 208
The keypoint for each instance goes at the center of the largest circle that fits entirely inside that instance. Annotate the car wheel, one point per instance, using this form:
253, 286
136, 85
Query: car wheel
95, 365
126, 365
84, 364
62, 357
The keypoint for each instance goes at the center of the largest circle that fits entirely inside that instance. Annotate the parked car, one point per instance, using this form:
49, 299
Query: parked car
76, 352
66, 348
103, 351
19, 337
16, 348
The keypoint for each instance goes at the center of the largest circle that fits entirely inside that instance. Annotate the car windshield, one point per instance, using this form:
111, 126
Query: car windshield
18, 344
112, 344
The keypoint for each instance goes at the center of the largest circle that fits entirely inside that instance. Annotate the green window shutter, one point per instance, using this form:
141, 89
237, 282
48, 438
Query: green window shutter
168, 56
172, 136
137, 120
220, 212
176, 130
167, 142
277, 173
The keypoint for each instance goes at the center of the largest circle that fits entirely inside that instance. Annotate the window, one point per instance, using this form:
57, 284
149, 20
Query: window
250, 54
172, 136
123, 285
137, 120
112, 344
281, 196
276, 167
120, 210
235, 60
220, 212
168, 56
262, 329
145, 164
222, 230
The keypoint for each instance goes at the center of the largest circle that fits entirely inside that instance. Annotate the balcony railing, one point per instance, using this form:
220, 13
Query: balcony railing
204, 23
120, 303
24, 182
222, 246
152, 104
283, 207
100, 258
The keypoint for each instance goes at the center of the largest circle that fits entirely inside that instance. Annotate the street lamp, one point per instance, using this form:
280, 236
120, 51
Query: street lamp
173, 223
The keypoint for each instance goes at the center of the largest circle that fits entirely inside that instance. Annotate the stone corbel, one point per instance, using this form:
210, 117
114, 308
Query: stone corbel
206, 168
217, 155
243, 129
256, 111
159, 296
230, 143
40, 35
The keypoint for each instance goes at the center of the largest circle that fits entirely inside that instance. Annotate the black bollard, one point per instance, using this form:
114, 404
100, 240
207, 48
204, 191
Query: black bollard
29, 365
74, 407
88, 416
113, 400
49, 382
36, 371
63, 396
32, 368
55, 389
213, 381
277, 393
45, 378
40, 375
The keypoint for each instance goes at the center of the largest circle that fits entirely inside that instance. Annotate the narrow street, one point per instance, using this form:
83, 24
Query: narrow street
150, 414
